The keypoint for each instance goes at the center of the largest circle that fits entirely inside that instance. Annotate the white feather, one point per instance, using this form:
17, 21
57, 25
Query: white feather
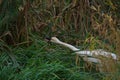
94, 53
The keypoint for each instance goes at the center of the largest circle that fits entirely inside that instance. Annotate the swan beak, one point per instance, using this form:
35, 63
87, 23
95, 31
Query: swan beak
47, 39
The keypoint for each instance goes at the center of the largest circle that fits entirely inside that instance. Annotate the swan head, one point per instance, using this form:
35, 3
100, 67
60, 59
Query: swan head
53, 39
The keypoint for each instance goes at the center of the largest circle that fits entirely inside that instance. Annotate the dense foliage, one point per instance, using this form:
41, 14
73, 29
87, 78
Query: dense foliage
88, 24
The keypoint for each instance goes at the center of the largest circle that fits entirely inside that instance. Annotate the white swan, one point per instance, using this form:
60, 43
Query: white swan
93, 55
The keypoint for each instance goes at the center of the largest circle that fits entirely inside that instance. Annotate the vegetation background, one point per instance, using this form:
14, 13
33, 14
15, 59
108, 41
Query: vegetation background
87, 24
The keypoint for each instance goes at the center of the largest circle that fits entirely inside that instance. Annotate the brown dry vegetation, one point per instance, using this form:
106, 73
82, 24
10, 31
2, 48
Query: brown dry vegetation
91, 24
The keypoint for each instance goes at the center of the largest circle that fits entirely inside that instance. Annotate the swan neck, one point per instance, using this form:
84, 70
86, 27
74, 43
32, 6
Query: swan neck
69, 46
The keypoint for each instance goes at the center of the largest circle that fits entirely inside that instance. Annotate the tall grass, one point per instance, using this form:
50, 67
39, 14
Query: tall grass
42, 62
88, 24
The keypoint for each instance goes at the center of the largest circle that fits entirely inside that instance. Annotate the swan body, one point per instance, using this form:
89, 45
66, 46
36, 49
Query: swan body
98, 52
93, 53
90, 55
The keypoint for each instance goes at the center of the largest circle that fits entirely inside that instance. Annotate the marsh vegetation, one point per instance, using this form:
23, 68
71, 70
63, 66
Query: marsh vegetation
86, 24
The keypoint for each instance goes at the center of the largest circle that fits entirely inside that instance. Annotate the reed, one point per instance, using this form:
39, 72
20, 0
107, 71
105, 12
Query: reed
88, 24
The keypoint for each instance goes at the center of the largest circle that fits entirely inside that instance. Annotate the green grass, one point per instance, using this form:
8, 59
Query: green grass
92, 23
41, 61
